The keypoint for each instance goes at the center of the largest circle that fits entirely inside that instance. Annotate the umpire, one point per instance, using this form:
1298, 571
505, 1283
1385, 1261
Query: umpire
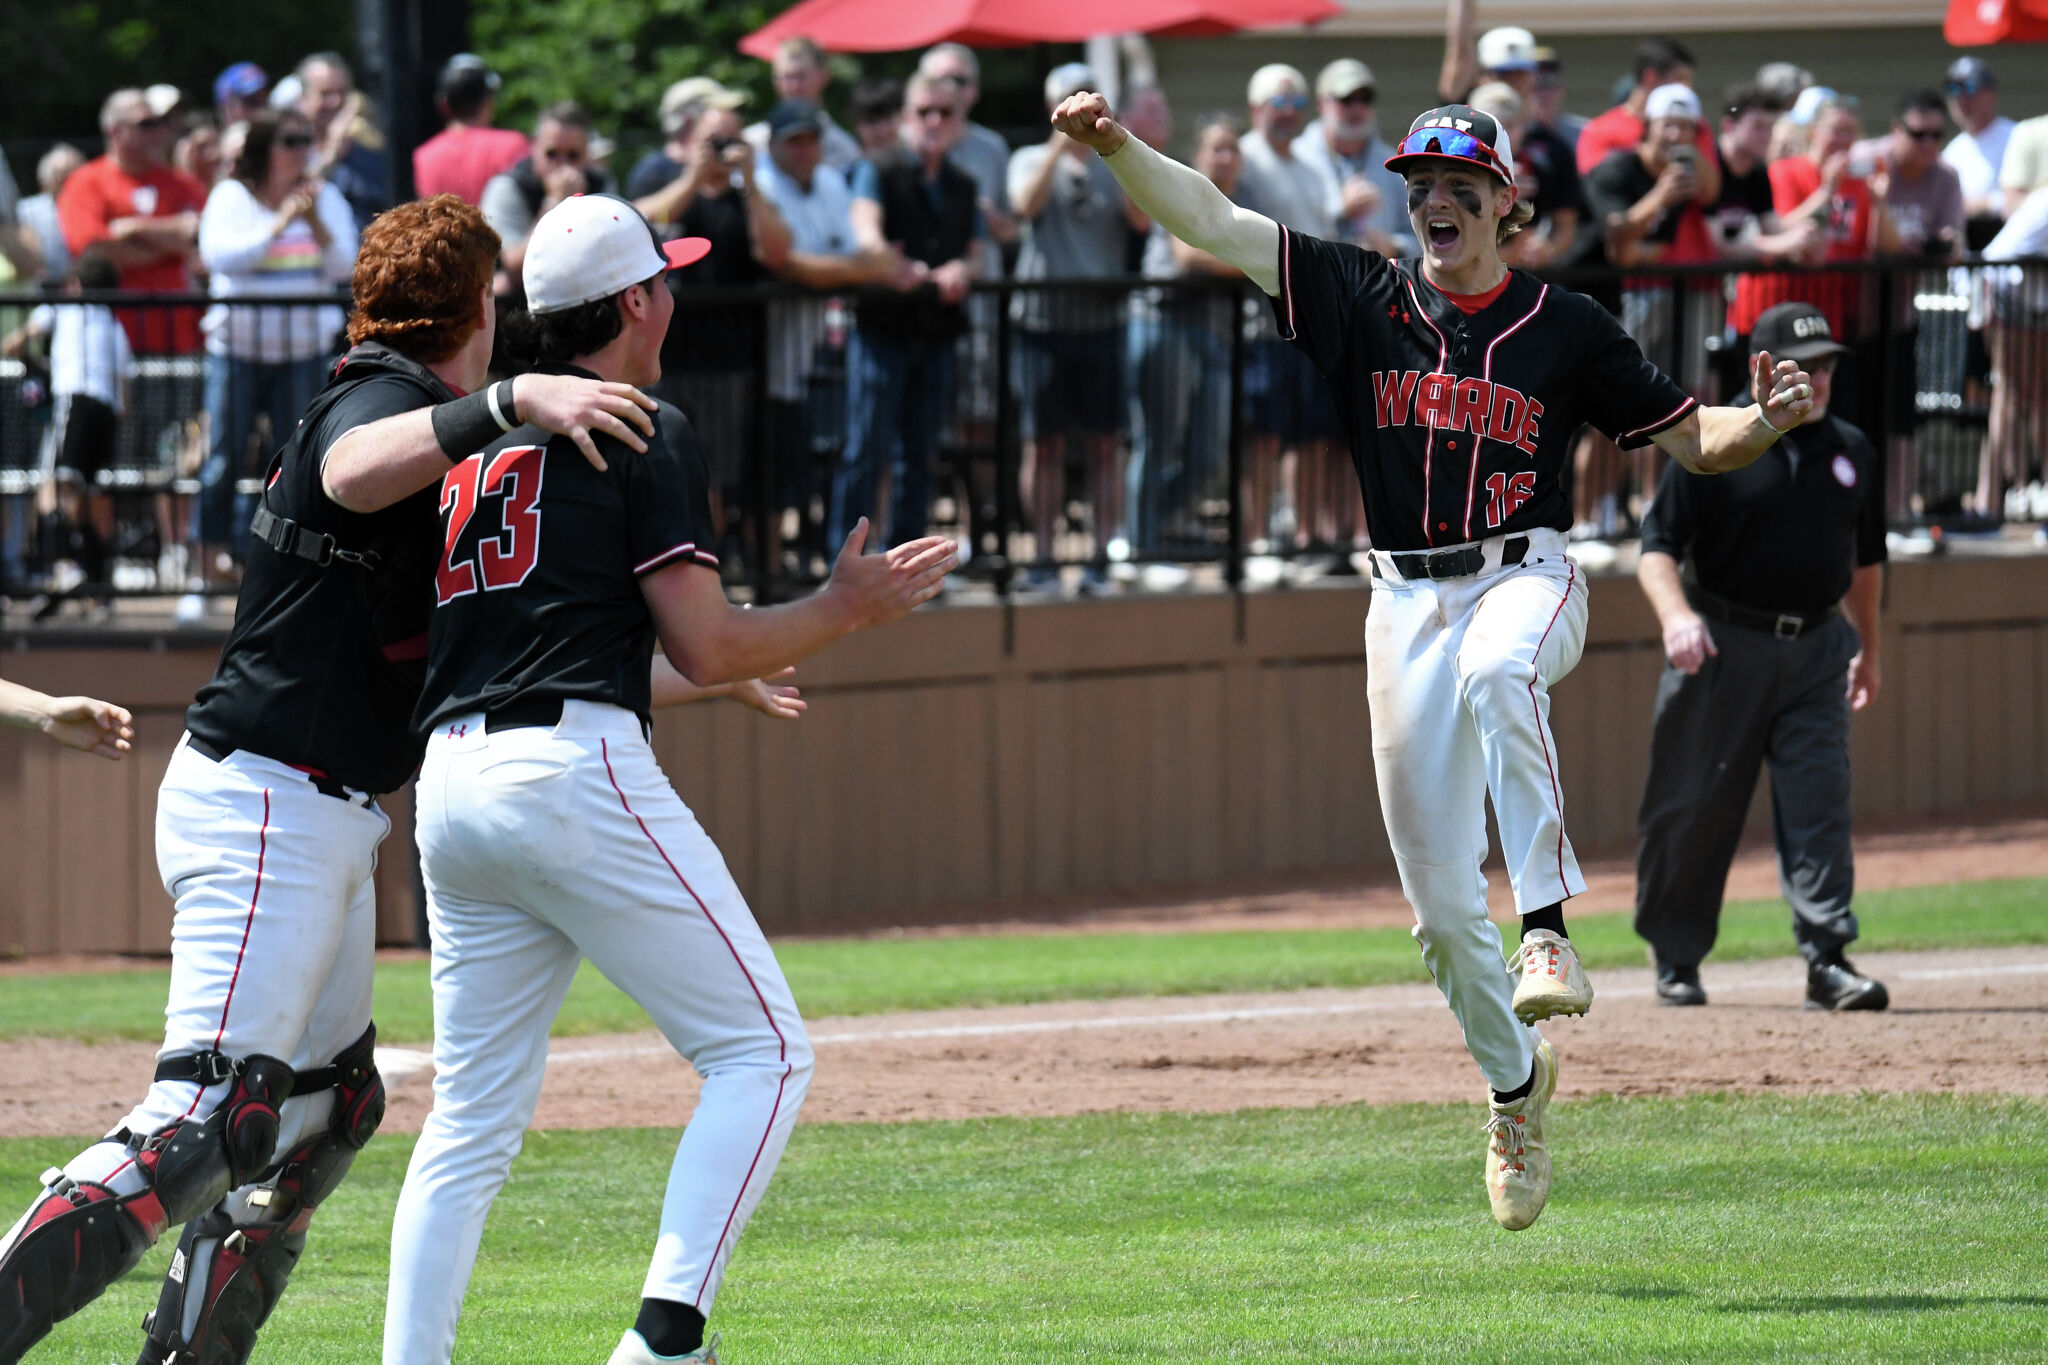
1763, 666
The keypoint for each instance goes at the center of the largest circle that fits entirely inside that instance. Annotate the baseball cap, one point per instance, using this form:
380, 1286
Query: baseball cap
701, 92
1672, 101
1457, 133
1783, 80
1499, 99
1794, 331
1345, 76
1968, 75
1068, 77
1507, 49
793, 116
1276, 78
162, 99
591, 246
243, 80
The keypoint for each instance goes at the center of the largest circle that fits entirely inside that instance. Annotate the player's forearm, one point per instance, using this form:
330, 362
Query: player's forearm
742, 643
1866, 591
671, 688
1190, 207
1657, 572
1716, 440
23, 707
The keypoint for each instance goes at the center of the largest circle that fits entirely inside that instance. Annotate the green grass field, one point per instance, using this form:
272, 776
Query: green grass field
872, 975
1699, 1230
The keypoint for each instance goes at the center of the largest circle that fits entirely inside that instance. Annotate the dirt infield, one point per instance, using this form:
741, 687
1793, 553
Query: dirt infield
1974, 1021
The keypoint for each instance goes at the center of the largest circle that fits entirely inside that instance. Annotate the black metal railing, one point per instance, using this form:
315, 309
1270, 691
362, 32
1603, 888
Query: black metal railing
1130, 429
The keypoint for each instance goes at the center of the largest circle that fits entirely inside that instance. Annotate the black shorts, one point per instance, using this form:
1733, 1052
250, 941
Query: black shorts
1068, 382
81, 438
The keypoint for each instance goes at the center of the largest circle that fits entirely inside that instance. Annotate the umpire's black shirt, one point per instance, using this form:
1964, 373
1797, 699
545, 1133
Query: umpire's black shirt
323, 666
538, 592
1785, 533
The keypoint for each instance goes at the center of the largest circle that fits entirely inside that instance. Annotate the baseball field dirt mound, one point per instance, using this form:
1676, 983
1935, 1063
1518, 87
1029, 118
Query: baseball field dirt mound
1969, 1021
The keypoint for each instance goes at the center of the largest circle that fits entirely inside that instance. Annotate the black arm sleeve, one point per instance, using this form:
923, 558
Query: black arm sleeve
1620, 391
1319, 287
668, 502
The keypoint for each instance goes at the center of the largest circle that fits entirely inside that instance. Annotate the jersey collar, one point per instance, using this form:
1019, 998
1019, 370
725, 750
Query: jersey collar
1449, 318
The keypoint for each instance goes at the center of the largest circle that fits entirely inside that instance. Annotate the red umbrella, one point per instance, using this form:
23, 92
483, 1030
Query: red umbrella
1979, 23
897, 25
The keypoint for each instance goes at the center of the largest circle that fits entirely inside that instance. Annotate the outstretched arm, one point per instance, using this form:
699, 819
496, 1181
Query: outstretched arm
95, 727
1460, 70
1716, 440
768, 695
1176, 196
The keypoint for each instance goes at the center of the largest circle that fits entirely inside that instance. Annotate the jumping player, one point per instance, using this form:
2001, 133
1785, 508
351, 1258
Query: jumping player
267, 822
548, 832
1460, 383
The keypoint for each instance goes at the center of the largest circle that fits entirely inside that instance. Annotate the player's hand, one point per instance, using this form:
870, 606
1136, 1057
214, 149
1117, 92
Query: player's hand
1085, 118
1783, 392
878, 589
1863, 680
93, 727
783, 702
580, 408
1687, 644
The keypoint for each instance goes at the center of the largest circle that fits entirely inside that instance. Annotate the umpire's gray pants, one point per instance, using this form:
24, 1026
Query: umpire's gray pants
1759, 699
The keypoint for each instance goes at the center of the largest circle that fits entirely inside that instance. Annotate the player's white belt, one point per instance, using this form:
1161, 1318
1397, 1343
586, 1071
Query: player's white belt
1464, 561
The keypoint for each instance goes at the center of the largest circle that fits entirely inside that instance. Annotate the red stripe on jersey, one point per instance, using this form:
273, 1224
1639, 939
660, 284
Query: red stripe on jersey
1443, 360
1653, 428
1472, 484
1556, 797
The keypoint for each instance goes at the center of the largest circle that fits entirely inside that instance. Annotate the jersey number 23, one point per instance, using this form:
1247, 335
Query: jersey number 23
511, 478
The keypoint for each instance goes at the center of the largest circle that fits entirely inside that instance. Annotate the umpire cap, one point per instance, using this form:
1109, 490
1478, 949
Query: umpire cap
1795, 331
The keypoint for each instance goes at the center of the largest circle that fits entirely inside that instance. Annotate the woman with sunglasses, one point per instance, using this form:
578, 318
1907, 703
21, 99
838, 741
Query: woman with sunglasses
1460, 384
269, 230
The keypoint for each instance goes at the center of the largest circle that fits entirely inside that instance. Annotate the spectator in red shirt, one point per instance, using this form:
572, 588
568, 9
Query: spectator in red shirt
143, 214
1659, 61
461, 158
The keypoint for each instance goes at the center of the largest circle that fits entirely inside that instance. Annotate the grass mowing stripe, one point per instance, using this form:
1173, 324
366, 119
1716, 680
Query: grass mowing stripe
1711, 1229
875, 975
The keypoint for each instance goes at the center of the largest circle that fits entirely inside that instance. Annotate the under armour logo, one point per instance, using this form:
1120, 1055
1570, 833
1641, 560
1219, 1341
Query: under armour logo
458, 731
1395, 310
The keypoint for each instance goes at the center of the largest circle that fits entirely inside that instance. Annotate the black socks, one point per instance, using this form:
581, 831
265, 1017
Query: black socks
670, 1329
1510, 1096
1550, 917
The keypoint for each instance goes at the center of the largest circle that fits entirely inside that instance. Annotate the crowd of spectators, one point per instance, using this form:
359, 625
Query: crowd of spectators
875, 392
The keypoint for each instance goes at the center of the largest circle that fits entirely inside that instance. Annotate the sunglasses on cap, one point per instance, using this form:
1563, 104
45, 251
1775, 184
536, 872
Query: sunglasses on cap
1449, 142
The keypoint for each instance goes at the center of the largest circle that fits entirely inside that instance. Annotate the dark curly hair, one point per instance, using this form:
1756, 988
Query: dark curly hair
536, 339
421, 270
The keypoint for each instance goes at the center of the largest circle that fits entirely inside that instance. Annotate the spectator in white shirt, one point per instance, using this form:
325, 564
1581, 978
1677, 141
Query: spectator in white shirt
800, 73
1977, 151
267, 230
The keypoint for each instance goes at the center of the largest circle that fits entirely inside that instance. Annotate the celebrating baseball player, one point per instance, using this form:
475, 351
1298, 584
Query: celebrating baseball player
547, 830
267, 822
1460, 383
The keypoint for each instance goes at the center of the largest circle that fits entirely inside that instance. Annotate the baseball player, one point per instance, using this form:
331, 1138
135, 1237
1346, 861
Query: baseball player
1460, 383
548, 832
96, 727
267, 822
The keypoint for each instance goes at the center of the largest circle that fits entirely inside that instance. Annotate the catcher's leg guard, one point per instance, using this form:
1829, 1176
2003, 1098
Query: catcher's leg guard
82, 1235
233, 1263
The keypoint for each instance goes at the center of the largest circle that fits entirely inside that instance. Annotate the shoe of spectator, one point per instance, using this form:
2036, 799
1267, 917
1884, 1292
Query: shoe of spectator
1833, 983
1342, 567
1039, 578
1094, 580
1678, 983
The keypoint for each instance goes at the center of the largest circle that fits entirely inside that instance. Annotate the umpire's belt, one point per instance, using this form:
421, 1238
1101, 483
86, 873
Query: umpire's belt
1459, 563
1783, 625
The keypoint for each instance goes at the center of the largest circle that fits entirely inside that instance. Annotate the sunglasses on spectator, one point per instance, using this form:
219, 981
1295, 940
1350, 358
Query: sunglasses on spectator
1364, 97
1954, 88
562, 154
1922, 134
1288, 101
152, 123
295, 141
933, 111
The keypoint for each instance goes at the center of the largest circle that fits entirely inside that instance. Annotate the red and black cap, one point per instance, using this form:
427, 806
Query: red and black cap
1457, 133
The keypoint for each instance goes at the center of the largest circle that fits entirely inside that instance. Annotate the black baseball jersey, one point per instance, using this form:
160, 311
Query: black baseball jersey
538, 589
1784, 533
323, 666
1461, 426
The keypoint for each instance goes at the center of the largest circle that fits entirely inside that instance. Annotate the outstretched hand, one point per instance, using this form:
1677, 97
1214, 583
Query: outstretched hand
1783, 392
1085, 118
579, 409
779, 702
880, 588
93, 727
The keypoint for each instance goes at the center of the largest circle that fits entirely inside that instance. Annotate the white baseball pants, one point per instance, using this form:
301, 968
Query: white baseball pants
1459, 673
274, 941
543, 847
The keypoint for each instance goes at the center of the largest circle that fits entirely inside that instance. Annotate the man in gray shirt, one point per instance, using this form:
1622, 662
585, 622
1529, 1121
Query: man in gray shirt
1068, 366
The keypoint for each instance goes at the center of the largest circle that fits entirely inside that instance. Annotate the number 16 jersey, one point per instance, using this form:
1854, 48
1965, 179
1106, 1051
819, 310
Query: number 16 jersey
1461, 423
537, 593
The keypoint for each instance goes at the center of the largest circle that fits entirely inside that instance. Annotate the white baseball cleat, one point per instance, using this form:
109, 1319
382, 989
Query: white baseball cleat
634, 1350
1517, 1162
1548, 978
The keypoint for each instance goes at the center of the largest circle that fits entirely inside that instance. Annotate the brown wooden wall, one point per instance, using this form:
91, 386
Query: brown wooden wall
975, 755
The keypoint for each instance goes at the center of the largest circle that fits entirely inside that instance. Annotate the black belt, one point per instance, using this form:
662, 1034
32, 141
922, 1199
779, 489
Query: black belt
322, 783
1782, 625
214, 1068
1457, 563
524, 713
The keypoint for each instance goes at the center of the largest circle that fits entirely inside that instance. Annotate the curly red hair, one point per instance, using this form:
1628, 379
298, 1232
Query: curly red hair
421, 270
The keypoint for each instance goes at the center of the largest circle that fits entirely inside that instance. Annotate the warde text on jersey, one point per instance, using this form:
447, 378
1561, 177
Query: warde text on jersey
1480, 406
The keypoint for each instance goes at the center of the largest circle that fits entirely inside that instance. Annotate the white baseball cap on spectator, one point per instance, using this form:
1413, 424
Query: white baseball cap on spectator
1274, 79
1809, 102
1783, 79
161, 99
591, 246
1067, 78
699, 91
285, 94
1345, 76
1672, 101
1507, 49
